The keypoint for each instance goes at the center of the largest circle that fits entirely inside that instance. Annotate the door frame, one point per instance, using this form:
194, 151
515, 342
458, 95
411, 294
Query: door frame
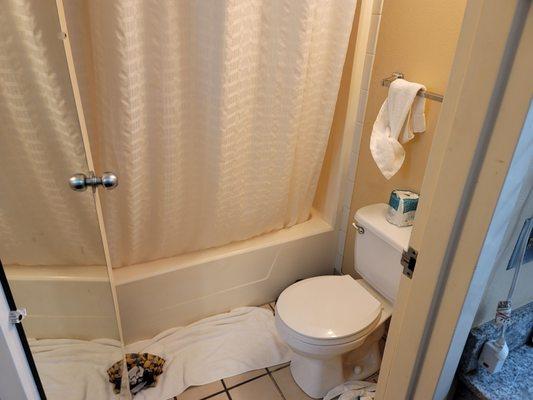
19, 378
480, 123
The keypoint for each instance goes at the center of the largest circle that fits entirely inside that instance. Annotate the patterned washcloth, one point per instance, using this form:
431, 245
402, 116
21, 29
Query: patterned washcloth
143, 370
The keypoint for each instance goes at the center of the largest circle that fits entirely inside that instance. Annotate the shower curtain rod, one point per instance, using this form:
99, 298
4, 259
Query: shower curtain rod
422, 93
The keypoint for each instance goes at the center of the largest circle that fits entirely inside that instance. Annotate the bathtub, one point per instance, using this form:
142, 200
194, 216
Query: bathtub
176, 291
64, 301
159, 295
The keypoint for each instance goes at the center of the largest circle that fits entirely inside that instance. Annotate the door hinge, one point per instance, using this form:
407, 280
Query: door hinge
409, 261
16, 316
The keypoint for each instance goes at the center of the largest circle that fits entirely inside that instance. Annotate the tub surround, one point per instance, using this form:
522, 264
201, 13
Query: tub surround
515, 380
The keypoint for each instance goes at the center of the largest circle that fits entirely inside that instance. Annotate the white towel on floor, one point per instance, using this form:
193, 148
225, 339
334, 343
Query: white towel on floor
76, 369
211, 349
217, 347
385, 142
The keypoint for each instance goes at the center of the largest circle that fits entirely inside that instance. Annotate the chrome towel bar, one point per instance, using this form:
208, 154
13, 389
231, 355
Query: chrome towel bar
422, 93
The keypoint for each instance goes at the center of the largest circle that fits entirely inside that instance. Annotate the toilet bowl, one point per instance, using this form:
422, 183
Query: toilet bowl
323, 319
333, 324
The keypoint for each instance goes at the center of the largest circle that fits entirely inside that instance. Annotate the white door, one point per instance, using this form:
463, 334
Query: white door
481, 120
16, 379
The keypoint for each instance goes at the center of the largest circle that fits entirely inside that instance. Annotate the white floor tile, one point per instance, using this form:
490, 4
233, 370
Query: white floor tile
288, 387
199, 392
235, 380
259, 389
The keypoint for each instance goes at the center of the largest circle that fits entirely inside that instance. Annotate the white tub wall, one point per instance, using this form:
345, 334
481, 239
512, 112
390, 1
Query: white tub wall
64, 301
253, 272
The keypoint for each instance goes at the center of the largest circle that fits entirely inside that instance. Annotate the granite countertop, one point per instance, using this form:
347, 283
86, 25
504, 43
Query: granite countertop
514, 381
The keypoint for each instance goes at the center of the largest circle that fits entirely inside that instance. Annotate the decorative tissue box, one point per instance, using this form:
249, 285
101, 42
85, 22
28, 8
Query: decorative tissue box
402, 207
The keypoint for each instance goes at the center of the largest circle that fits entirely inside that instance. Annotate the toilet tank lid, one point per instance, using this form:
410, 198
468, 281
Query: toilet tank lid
373, 218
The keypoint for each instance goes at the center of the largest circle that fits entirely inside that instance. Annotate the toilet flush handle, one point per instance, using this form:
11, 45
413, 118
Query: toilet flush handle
359, 228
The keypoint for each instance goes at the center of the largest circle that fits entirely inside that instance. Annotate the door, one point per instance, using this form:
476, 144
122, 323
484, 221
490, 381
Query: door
481, 121
16, 363
51, 246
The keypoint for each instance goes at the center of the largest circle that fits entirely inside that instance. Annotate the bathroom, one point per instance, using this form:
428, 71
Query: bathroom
220, 201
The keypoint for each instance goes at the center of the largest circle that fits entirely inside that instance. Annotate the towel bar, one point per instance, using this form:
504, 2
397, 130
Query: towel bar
422, 93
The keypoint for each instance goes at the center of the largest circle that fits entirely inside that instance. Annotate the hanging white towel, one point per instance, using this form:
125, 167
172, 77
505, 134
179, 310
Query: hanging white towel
385, 141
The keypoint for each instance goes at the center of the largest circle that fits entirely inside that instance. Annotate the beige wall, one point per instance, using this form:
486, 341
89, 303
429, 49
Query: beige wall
418, 38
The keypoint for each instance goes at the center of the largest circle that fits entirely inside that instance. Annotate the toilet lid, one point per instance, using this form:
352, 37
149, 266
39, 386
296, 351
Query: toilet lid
328, 307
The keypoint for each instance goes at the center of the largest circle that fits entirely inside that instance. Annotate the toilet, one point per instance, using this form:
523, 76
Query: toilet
333, 324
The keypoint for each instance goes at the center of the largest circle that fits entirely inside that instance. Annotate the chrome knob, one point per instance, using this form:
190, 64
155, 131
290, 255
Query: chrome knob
109, 180
77, 182
80, 182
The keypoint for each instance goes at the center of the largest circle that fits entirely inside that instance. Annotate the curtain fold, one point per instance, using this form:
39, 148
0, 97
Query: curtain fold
214, 114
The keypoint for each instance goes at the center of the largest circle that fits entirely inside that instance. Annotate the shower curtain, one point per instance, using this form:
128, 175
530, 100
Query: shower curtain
215, 115
42, 221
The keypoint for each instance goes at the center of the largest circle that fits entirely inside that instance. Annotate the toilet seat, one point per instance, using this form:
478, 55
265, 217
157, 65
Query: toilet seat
327, 310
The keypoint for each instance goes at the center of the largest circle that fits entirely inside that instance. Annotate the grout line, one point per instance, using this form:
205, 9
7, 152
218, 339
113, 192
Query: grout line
270, 369
276, 384
213, 394
224, 384
226, 389
242, 383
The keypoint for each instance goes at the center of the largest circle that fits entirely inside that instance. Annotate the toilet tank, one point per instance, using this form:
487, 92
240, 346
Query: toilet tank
378, 250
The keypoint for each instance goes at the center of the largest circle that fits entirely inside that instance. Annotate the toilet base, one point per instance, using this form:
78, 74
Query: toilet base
316, 376
363, 362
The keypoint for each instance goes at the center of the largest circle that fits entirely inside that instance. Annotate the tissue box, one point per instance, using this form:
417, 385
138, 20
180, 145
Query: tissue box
402, 207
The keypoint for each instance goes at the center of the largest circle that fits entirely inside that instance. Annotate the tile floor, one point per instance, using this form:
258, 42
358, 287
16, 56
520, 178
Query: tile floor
273, 383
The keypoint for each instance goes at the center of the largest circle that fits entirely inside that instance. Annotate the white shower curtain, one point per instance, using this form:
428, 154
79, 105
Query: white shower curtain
214, 114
